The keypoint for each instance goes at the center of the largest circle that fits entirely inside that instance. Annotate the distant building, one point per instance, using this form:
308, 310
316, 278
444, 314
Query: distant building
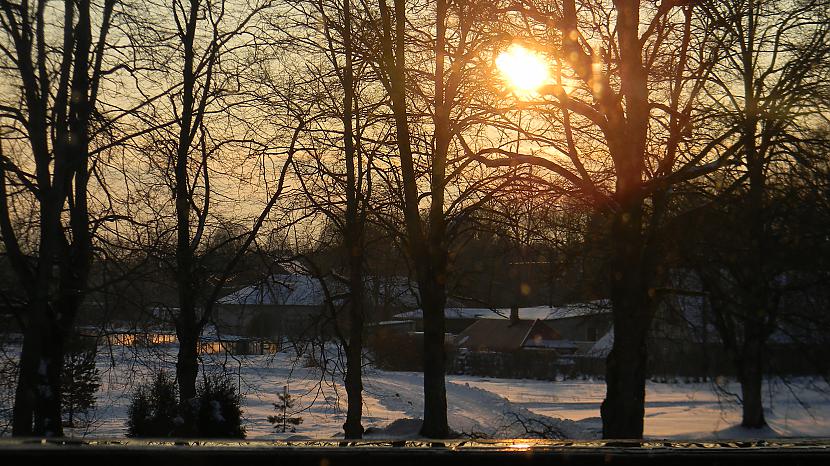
209, 343
289, 303
294, 303
512, 348
581, 323
509, 335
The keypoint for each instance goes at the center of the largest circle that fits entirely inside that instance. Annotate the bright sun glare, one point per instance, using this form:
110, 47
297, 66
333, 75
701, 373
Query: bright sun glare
524, 70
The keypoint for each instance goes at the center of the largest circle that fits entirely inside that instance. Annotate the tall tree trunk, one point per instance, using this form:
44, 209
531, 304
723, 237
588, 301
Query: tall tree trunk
632, 253
24, 398
354, 356
41, 326
623, 409
187, 366
187, 325
751, 378
435, 392
428, 252
756, 309
435, 278
354, 245
62, 173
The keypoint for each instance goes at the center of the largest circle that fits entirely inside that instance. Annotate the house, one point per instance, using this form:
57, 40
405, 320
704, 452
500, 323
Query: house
509, 335
537, 341
512, 347
685, 339
286, 303
295, 303
581, 323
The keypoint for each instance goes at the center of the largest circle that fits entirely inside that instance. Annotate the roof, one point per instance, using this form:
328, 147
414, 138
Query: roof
504, 335
292, 289
298, 288
603, 346
598, 307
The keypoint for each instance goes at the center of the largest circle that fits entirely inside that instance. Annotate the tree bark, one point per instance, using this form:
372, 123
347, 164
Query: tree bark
632, 253
61, 176
24, 398
434, 278
48, 410
756, 305
187, 325
435, 392
623, 409
751, 378
354, 355
187, 366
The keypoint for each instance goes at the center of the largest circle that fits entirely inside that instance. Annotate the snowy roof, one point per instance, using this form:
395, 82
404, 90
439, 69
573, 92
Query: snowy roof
293, 289
602, 346
602, 306
393, 322
299, 288
457, 313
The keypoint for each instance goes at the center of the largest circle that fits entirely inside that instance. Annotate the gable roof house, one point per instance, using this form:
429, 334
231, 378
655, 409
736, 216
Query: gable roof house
294, 303
289, 303
581, 323
512, 348
510, 335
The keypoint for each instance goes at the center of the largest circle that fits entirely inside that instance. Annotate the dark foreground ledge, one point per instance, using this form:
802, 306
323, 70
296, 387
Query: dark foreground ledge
32, 452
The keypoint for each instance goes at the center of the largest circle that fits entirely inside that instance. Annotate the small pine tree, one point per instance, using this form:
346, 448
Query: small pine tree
284, 417
80, 381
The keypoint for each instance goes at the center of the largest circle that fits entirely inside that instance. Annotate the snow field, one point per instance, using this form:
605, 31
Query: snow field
477, 406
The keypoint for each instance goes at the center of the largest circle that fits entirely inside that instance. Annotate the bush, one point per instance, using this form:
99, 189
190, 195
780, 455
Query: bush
154, 410
215, 412
220, 413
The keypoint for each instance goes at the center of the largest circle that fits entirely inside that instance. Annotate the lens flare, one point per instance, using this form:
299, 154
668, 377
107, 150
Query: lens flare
524, 70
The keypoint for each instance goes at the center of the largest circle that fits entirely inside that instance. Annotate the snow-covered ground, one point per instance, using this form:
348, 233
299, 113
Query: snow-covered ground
477, 406
800, 408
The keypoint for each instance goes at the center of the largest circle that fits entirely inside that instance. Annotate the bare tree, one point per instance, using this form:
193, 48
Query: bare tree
431, 103
335, 179
215, 123
46, 165
627, 79
771, 83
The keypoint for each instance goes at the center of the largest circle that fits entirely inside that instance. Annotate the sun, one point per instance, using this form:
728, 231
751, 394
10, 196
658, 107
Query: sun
524, 70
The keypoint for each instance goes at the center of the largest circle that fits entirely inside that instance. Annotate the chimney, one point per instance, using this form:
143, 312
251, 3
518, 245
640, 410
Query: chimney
514, 315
